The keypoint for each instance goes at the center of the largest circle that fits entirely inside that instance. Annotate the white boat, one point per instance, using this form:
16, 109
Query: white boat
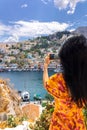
58, 69
25, 96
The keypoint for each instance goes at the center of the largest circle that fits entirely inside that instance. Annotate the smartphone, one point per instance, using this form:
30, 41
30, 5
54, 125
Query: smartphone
51, 56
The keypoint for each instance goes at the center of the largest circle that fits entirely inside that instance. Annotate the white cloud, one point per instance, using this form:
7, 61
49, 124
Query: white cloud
13, 38
4, 29
65, 4
44, 1
24, 6
86, 15
24, 29
71, 30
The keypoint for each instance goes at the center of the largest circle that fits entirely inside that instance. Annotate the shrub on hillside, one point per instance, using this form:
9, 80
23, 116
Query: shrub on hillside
44, 121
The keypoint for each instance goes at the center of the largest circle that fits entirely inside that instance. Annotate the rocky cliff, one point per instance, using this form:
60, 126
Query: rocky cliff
9, 100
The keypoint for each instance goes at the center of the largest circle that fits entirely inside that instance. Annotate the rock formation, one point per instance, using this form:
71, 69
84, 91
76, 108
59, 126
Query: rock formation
9, 100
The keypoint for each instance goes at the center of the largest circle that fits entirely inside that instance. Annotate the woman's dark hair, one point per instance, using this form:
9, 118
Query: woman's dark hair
73, 58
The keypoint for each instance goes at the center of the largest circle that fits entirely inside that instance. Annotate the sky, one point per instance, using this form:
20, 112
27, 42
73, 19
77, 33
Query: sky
24, 19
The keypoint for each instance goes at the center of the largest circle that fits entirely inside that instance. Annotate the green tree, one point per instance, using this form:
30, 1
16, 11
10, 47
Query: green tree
49, 97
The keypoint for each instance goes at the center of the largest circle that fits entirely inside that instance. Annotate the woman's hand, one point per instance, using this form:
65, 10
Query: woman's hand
45, 71
46, 61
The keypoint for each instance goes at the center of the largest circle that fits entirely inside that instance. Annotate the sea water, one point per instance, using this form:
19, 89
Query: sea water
30, 81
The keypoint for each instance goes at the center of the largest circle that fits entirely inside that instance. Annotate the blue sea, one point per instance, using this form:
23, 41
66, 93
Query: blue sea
30, 81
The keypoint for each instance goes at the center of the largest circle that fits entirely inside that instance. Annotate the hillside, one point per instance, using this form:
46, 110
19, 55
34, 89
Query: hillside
28, 54
9, 100
81, 30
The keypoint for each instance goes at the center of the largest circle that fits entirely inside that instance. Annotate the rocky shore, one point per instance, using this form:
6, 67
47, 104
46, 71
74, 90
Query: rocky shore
10, 106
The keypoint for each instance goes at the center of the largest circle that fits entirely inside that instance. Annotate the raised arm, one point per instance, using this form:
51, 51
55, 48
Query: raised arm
45, 72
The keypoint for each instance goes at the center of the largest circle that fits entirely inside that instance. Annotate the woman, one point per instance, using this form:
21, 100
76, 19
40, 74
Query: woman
69, 88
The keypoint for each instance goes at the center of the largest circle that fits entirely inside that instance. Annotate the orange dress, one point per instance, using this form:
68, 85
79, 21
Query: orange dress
66, 115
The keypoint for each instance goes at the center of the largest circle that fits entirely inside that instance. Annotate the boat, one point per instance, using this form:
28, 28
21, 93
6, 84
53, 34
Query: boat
25, 96
58, 69
37, 97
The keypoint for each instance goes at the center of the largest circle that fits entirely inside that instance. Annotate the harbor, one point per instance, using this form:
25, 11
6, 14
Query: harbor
26, 81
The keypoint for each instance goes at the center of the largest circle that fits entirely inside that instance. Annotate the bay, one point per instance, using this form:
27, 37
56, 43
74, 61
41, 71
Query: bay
30, 81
